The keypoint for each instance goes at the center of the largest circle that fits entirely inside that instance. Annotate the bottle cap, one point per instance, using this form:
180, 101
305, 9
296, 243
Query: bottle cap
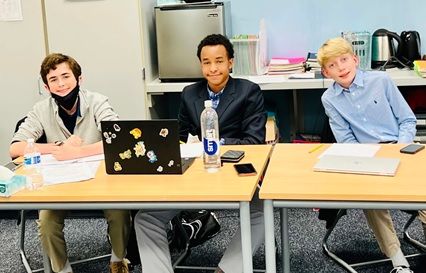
208, 103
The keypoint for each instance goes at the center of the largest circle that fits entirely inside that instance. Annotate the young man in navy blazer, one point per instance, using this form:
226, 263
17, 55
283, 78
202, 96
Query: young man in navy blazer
242, 119
238, 102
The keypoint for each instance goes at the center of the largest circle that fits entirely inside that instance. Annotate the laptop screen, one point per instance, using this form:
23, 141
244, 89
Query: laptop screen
141, 146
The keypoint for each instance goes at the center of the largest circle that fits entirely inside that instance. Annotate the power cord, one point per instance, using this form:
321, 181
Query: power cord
393, 59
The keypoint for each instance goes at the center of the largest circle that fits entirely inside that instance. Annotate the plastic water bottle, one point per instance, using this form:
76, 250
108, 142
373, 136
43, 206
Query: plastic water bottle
32, 164
210, 137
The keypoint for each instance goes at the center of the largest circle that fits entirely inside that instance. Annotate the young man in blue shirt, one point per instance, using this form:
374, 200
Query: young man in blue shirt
367, 107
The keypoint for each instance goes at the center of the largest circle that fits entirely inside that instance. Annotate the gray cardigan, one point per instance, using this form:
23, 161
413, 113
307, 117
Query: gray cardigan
44, 118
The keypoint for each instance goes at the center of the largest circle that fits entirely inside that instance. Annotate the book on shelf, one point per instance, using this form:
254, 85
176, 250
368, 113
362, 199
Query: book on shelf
312, 62
421, 132
420, 115
421, 119
421, 122
280, 65
421, 139
312, 56
420, 67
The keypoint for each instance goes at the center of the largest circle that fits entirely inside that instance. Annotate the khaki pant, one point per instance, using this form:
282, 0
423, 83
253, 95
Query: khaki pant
381, 224
422, 216
51, 225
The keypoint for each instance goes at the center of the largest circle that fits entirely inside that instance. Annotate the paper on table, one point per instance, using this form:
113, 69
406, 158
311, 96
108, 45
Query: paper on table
304, 75
71, 172
48, 159
191, 150
267, 79
355, 149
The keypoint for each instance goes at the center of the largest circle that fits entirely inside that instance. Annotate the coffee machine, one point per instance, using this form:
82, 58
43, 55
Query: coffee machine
390, 49
383, 49
409, 49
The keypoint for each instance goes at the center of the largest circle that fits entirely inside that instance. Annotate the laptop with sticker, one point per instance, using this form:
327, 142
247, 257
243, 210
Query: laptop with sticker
143, 147
358, 165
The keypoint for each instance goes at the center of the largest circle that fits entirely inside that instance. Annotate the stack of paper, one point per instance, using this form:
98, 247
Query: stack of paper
312, 62
279, 65
56, 172
420, 68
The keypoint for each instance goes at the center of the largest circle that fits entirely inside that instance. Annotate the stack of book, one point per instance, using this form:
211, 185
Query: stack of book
280, 66
312, 62
421, 128
420, 67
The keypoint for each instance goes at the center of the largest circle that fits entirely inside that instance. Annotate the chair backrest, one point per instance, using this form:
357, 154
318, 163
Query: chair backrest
272, 132
42, 139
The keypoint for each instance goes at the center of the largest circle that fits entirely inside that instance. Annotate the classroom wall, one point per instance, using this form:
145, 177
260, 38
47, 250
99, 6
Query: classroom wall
298, 26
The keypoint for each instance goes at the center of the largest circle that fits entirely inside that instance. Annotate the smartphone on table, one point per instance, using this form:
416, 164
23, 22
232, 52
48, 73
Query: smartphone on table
412, 148
12, 165
245, 169
232, 156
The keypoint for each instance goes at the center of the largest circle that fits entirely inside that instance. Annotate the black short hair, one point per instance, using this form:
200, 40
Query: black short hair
216, 39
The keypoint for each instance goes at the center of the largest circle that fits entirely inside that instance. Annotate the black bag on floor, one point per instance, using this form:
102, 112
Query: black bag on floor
187, 229
132, 246
192, 228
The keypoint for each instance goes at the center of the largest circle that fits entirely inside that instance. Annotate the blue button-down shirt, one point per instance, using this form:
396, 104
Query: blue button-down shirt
372, 110
215, 97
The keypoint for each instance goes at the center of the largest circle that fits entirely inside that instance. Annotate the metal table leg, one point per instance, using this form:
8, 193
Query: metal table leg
285, 242
246, 237
269, 237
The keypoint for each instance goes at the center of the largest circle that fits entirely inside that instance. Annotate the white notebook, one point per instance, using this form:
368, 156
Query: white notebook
358, 165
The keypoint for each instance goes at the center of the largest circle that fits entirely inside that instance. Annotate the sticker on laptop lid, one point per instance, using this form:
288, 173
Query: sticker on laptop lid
126, 154
136, 133
152, 157
116, 127
139, 149
164, 132
117, 166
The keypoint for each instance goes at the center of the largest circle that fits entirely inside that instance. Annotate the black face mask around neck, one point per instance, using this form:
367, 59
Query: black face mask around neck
68, 100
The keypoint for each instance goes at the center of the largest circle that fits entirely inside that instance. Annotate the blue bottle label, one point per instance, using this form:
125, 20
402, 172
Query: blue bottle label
30, 160
210, 146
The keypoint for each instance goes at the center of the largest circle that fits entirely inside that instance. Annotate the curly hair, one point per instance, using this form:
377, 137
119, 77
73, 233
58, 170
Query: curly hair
52, 60
216, 39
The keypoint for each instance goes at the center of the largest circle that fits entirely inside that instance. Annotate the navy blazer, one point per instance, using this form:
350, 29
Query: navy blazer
241, 112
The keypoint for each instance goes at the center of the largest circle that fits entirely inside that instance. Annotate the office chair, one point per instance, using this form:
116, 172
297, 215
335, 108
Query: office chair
331, 224
24, 215
332, 216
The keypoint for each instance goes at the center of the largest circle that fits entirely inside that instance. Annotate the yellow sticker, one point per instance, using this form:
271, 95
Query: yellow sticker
117, 166
139, 149
136, 132
126, 154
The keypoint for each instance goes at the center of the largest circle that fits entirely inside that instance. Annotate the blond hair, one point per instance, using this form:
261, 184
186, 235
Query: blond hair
333, 48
